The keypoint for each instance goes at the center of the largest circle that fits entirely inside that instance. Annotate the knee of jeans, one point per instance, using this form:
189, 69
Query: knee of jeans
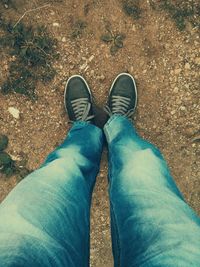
67, 159
63, 152
129, 146
57, 172
140, 170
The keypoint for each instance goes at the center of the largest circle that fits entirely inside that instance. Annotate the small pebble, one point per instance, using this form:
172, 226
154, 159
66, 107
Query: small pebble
64, 40
14, 112
176, 90
197, 60
84, 66
187, 66
101, 78
189, 131
133, 28
56, 24
91, 58
177, 71
182, 108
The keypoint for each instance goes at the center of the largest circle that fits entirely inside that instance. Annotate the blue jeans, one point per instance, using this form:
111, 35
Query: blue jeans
44, 221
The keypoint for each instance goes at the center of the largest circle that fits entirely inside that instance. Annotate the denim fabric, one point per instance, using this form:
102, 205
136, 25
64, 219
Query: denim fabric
152, 225
44, 221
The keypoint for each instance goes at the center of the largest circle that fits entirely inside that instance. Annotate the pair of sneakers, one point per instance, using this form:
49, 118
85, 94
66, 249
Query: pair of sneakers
78, 98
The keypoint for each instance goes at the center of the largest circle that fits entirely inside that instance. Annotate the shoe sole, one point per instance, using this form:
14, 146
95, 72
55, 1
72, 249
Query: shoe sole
136, 94
75, 76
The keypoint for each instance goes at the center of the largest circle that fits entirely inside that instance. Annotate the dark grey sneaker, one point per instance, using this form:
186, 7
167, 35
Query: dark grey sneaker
122, 98
78, 99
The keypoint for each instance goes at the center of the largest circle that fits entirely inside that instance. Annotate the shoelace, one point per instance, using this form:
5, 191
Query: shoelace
120, 106
81, 108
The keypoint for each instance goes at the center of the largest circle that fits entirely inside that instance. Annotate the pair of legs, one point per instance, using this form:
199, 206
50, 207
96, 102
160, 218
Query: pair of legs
44, 221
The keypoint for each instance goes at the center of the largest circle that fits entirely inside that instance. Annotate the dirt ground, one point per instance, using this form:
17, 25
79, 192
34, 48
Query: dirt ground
166, 65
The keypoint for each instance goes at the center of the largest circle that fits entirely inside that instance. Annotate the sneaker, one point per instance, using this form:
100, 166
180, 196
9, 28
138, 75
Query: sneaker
122, 98
78, 99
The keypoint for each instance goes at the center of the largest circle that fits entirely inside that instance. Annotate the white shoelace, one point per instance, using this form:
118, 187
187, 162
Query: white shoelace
81, 108
120, 106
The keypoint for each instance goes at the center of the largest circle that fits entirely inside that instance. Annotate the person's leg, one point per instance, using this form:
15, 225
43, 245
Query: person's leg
44, 221
152, 225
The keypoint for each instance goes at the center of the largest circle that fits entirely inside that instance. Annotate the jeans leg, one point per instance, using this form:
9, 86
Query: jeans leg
152, 225
44, 221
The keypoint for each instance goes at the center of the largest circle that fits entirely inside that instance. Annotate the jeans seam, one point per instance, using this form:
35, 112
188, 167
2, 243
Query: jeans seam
114, 221
116, 232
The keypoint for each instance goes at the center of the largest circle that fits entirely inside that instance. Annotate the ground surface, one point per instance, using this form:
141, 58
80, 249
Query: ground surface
166, 65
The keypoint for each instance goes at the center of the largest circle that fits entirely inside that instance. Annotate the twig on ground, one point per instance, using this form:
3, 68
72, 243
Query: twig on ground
28, 11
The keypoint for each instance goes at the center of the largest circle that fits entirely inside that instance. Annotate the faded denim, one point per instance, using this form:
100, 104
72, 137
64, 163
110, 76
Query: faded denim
152, 225
44, 221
